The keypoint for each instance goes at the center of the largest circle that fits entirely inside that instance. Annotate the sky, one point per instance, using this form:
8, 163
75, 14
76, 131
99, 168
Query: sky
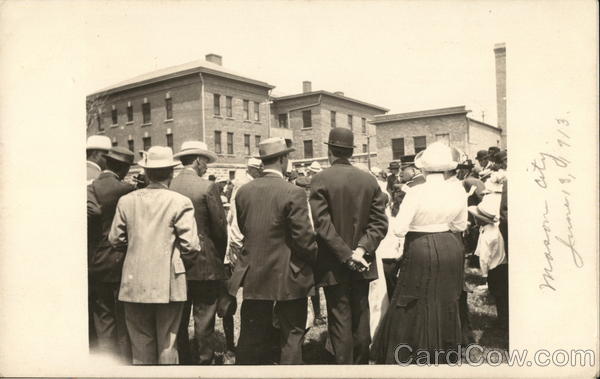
405, 56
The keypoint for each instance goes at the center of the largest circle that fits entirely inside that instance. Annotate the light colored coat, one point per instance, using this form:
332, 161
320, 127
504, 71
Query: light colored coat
158, 227
93, 171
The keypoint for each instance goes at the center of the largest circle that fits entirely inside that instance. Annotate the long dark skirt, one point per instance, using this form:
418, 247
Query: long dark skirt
424, 311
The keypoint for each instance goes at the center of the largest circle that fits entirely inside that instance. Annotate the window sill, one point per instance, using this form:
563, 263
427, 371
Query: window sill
217, 116
168, 120
129, 123
247, 121
226, 155
114, 125
307, 128
102, 131
147, 124
257, 122
229, 118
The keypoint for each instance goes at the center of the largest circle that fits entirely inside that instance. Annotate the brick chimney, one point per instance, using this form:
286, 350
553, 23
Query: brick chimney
339, 93
214, 58
306, 86
500, 53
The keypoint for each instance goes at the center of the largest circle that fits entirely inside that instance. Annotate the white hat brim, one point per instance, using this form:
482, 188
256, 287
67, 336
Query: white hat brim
158, 164
212, 157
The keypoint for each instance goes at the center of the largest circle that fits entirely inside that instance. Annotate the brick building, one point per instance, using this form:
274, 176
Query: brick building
198, 100
306, 118
408, 133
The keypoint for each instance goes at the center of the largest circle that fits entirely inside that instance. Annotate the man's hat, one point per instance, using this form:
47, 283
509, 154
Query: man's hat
376, 171
273, 147
394, 165
97, 142
493, 150
498, 157
341, 137
253, 162
315, 167
481, 154
437, 157
196, 148
407, 161
303, 181
158, 157
487, 210
120, 154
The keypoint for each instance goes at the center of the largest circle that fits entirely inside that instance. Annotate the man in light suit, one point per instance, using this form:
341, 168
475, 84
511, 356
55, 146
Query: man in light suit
348, 209
275, 263
157, 228
104, 262
206, 278
97, 146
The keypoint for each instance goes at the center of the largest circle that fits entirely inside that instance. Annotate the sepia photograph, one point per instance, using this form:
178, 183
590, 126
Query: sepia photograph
316, 183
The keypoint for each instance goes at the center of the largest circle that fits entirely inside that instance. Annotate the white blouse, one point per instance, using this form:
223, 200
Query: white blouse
434, 206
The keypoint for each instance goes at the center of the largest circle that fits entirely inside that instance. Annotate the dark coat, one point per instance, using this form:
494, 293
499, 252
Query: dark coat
104, 262
210, 221
279, 246
348, 209
504, 215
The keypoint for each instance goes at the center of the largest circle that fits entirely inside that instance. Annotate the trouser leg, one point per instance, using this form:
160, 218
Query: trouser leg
92, 336
339, 322
183, 338
292, 320
390, 269
168, 319
141, 325
204, 298
256, 331
228, 329
361, 334
123, 340
105, 324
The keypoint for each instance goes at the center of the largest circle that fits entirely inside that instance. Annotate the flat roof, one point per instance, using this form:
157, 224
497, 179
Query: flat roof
421, 114
194, 67
330, 94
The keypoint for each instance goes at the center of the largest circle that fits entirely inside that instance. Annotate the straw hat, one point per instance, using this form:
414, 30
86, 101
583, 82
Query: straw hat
158, 157
376, 171
273, 147
436, 158
315, 167
487, 210
196, 148
253, 162
97, 142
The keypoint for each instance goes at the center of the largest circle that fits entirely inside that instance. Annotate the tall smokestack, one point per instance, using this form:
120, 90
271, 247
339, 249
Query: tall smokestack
500, 53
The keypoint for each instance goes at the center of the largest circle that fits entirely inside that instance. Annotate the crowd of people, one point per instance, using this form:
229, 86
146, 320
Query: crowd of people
388, 249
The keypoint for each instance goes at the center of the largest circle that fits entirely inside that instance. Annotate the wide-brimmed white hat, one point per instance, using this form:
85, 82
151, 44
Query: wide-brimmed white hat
97, 142
315, 167
158, 157
254, 162
487, 210
436, 158
376, 171
196, 148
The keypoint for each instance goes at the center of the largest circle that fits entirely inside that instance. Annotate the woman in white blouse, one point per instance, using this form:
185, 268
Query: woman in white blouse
423, 312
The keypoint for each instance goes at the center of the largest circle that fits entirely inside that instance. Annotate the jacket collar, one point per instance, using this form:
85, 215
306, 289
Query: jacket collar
108, 173
157, 186
94, 164
272, 174
341, 161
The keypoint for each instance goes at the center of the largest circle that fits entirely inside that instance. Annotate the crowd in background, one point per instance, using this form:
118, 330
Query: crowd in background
388, 247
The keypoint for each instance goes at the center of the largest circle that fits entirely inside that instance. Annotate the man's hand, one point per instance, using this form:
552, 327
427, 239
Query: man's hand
233, 254
357, 261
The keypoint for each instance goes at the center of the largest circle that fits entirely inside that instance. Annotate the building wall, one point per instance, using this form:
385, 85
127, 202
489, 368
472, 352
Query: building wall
454, 125
481, 137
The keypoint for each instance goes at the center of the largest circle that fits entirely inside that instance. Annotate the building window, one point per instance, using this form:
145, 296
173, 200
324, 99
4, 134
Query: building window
146, 116
306, 119
129, 113
256, 141
308, 149
256, 111
147, 143
169, 108
350, 122
283, 120
364, 125
229, 106
170, 140
113, 116
115, 143
246, 110
364, 147
332, 116
131, 145
397, 148
99, 120
218, 142
229, 143
247, 144
420, 143
217, 104
444, 137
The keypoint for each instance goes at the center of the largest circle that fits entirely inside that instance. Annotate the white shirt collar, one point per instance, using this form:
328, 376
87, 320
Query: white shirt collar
274, 172
95, 165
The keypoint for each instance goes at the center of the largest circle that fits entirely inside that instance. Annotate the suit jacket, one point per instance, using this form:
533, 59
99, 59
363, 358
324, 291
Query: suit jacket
158, 228
211, 223
348, 209
279, 244
93, 171
104, 262
504, 215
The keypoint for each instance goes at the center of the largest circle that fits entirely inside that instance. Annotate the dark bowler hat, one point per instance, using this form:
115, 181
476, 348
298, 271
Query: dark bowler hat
341, 137
498, 156
120, 154
273, 147
407, 161
481, 154
394, 165
493, 150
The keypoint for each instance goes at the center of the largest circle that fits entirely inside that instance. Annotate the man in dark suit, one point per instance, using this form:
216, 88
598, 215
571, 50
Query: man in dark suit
348, 210
393, 186
206, 278
275, 263
105, 262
